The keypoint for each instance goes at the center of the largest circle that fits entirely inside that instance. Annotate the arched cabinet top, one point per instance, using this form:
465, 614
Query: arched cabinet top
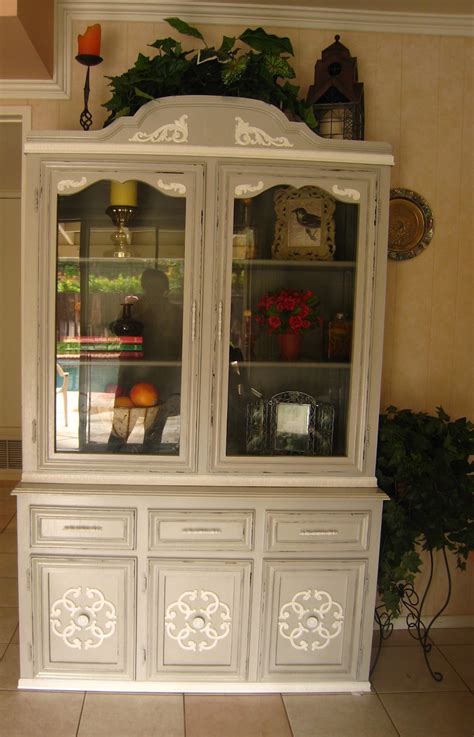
206, 126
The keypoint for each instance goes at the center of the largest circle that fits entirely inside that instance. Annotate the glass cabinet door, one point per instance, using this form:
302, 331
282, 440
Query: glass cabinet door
291, 301
122, 289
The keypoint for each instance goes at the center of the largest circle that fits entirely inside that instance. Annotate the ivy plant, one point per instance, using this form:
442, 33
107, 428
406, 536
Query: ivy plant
261, 72
423, 465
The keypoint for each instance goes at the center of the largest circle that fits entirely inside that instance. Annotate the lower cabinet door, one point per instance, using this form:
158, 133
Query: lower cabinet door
84, 617
312, 621
198, 619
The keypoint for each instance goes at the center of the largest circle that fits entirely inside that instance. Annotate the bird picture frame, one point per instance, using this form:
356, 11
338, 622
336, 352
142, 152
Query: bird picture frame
304, 224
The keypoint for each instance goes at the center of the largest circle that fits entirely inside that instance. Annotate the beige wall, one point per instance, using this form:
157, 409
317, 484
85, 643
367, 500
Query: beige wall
418, 92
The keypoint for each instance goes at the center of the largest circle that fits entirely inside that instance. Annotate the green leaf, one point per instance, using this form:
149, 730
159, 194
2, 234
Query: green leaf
226, 46
234, 70
140, 93
168, 46
267, 43
123, 112
142, 62
278, 67
182, 27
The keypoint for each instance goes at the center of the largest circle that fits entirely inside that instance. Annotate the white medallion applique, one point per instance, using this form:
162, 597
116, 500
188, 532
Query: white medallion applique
177, 187
71, 184
353, 194
310, 620
198, 620
83, 619
242, 189
176, 132
247, 135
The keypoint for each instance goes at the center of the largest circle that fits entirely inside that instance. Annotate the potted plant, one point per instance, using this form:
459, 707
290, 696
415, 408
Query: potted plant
261, 72
288, 314
423, 465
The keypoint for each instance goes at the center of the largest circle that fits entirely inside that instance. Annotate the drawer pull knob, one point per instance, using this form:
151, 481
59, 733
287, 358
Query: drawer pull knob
83, 527
202, 530
318, 533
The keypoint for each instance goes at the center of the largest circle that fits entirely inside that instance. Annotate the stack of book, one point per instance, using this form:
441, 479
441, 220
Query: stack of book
100, 347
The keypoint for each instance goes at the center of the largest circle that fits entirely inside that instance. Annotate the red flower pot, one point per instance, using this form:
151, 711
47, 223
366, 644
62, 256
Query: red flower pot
290, 346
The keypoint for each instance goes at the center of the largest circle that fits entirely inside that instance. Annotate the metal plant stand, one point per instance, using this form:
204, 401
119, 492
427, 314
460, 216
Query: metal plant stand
417, 627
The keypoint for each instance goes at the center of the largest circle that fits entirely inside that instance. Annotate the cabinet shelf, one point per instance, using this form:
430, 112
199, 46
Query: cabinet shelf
76, 361
296, 364
280, 264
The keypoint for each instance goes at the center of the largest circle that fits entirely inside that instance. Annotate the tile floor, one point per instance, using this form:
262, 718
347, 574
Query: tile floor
405, 702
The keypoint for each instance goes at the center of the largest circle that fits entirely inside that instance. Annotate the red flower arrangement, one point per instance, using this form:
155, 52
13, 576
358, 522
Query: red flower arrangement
287, 311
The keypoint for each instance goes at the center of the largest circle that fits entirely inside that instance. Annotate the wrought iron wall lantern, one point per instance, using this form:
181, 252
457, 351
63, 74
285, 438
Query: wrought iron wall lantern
337, 96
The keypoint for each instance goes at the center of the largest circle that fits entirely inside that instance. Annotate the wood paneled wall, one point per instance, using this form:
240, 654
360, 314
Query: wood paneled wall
419, 97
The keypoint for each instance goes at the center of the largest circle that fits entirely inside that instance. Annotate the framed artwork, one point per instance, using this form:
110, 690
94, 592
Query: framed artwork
292, 424
304, 227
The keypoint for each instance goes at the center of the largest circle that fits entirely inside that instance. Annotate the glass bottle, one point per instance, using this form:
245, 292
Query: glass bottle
339, 338
126, 324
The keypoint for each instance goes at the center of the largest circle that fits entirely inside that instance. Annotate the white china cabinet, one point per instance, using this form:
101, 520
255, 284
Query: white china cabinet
203, 303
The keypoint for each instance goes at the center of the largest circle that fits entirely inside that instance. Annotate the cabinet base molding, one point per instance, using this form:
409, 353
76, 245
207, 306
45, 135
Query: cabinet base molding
211, 687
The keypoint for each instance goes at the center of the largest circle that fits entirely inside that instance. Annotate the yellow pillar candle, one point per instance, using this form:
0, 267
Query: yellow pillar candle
123, 193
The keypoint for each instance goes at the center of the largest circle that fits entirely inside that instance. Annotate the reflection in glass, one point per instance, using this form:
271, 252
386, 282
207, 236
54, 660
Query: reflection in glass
293, 419
274, 269
119, 295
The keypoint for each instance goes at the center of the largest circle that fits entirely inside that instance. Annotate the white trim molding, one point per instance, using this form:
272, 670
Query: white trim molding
451, 621
231, 14
196, 687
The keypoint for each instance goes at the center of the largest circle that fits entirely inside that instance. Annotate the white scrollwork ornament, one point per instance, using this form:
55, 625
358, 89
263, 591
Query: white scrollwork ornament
310, 620
83, 619
198, 620
243, 189
176, 132
352, 194
248, 135
177, 187
71, 184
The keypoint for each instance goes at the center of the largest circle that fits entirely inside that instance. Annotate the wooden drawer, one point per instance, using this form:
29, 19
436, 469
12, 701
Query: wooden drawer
198, 530
324, 531
82, 528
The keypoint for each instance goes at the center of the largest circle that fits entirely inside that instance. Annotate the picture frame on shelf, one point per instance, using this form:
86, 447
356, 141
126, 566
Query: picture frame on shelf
304, 226
292, 424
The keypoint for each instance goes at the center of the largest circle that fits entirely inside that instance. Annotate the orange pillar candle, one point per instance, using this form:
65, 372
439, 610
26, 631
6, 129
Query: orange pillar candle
89, 42
123, 193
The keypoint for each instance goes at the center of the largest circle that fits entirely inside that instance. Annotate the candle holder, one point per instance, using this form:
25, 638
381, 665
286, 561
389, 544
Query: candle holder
88, 60
120, 216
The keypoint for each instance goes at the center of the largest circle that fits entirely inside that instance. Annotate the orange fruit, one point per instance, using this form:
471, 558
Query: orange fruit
123, 402
144, 394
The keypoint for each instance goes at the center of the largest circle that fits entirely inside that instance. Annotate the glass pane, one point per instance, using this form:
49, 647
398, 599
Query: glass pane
292, 307
119, 297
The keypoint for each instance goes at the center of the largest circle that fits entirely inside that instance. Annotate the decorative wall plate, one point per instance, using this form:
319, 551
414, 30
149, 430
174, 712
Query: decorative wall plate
410, 227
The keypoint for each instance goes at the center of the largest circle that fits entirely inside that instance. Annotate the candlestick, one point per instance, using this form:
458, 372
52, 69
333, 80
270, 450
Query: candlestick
88, 55
120, 216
